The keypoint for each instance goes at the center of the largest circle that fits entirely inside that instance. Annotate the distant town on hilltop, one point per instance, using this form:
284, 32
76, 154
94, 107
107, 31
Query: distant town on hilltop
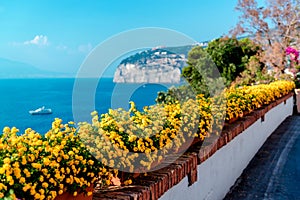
156, 65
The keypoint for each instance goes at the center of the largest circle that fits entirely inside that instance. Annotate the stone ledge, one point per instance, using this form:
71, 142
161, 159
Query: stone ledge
156, 183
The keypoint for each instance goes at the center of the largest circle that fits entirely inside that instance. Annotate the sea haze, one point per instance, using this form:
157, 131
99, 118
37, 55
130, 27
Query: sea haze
15, 69
18, 96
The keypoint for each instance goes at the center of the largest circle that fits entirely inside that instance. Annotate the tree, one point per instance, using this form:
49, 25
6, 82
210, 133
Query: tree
220, 63
275, 26
199, 67
231, 56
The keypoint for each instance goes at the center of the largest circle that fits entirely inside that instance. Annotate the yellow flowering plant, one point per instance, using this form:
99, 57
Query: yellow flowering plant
133, 140
248, 98
130, 140
43, 167
117, 138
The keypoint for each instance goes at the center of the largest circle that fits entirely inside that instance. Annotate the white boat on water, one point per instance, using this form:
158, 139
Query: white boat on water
41, 111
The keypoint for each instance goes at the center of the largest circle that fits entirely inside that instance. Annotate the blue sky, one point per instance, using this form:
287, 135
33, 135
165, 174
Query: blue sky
58, 35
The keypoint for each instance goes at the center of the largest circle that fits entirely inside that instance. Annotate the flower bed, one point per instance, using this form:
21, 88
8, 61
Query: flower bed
146, 137
36, 167
69, 159
248, 98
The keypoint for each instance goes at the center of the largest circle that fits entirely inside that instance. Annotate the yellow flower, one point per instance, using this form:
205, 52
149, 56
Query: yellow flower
57, 176
46, 161
51, 180
45, 185
22, 180
31, 157
71, 153
94, 113
68, 180
2, 170
6, 160
41, 178
89, 193
128, 182
53, 194
24, 161
37, 196
26, 187
91, 162
14, 130
36, 165
6, 130
45, 171
132, 138
32, 190
10, 180
41, 191
58, 159
17, 172
68, 170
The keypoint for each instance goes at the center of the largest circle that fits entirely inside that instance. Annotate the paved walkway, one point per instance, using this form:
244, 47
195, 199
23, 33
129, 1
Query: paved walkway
274, 173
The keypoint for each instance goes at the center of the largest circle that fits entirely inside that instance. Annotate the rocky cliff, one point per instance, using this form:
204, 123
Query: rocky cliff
157, 65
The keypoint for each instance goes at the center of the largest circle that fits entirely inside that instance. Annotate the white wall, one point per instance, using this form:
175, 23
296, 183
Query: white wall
219, 172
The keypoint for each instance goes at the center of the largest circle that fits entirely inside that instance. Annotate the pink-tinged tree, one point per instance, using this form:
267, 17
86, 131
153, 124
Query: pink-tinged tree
275, 26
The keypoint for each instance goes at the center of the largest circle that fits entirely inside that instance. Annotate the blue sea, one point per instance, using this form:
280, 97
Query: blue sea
18, 96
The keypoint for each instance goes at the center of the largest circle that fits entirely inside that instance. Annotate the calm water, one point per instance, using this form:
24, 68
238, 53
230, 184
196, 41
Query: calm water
18, 96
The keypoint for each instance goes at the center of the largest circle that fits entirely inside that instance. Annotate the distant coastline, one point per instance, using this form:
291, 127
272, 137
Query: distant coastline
10, 69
